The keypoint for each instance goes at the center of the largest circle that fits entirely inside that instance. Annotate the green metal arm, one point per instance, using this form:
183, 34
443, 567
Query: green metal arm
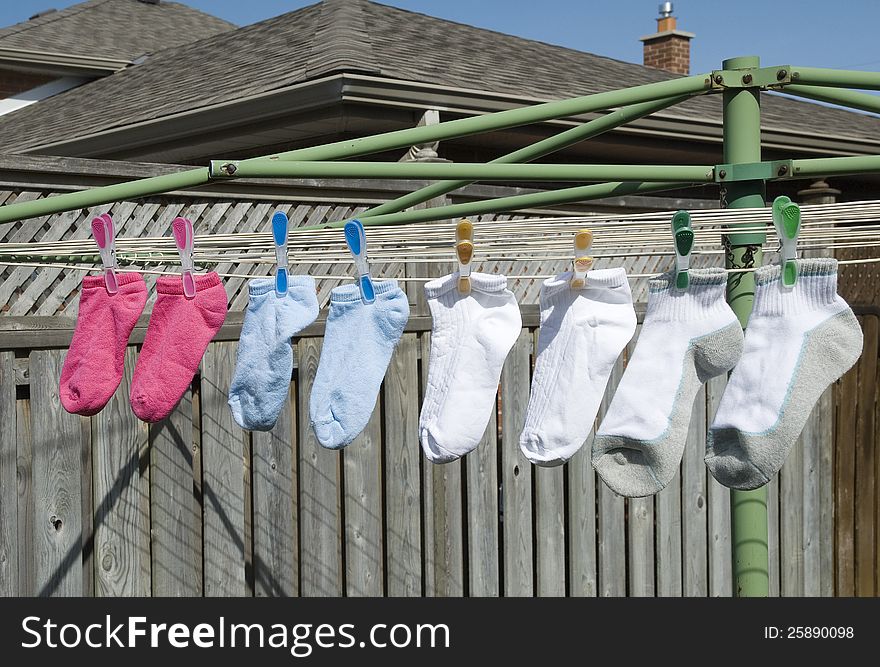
501, 120
513, 203
848, 98
835, 78
368, 145
535, 151
476, 172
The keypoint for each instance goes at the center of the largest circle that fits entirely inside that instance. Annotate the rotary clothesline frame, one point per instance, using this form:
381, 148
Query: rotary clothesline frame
742, 177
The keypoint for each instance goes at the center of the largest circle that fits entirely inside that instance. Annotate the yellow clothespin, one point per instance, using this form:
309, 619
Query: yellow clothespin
464, 250
582, 262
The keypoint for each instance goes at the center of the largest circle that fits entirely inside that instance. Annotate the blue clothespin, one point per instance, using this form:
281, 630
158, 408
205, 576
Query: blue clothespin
105, 237
357, 245
683, 234
279, 233
787, 221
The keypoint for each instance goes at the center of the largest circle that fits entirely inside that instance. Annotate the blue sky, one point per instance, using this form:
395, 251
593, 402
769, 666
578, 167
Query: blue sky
803, 32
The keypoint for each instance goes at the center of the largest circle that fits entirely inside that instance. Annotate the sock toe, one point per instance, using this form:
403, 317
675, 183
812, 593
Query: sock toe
730, 463
248, 417
434, 452
627, 474
545, 454
330, 434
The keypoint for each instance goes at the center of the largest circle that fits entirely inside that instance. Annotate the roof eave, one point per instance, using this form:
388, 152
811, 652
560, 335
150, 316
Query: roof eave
62, 64
380, 91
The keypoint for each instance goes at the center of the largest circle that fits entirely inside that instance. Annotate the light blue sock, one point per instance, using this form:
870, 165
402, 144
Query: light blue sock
265, 358
357, 348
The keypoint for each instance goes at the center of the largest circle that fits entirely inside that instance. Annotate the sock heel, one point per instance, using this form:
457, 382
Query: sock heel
719, 351
844, 340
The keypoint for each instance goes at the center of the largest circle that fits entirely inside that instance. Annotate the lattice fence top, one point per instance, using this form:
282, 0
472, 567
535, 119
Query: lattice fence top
55, 291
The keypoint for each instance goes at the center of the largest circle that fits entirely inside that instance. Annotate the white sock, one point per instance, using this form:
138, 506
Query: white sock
582, 334
687, 337
798, 341
470, 338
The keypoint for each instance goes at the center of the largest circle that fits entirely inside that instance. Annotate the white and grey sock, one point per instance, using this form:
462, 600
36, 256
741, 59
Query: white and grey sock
798, 341
582, 334
687, 337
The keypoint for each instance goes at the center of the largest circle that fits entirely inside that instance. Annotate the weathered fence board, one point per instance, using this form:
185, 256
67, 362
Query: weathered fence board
402, 481
362, 475
516, 474
276, 565
320, 528
695, 569
223, 475
866, 462
8, 484
26, 504
120, 482
718, 503
176, 519
481, 471
57, 479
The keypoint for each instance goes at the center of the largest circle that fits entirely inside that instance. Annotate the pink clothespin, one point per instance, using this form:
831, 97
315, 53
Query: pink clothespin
105, 237
183, 237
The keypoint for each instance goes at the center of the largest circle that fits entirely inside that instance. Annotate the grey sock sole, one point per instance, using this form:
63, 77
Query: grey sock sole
742, 460
635, 468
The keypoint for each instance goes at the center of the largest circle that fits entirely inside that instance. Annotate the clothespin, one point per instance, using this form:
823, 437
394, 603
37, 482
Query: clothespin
582, 262
105, 237
464, 250
357, 245
183, 238
787, 221
683, 235
279, 234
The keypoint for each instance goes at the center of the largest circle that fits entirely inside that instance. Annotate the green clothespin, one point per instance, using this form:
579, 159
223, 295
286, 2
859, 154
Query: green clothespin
683, 234
787, 221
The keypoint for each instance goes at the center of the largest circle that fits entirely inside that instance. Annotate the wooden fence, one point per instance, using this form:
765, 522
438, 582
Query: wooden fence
195, 506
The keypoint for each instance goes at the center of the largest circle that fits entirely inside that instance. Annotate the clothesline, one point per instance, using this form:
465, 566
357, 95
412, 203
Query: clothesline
824, 227
346, 278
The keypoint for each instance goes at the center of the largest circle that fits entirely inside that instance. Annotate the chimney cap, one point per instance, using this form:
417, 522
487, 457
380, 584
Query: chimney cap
665, 10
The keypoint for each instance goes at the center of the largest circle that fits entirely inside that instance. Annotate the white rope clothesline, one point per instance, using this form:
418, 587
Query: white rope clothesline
825, 227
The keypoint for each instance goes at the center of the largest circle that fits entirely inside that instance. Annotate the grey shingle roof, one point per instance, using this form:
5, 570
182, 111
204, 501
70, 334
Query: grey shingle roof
361, 36
117, 29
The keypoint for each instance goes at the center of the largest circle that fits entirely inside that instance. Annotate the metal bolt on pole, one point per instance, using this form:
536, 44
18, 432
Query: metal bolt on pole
742, 143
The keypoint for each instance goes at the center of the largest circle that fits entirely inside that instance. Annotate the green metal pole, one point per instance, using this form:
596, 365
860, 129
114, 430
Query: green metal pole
847, 98
472, 171
535, 151
835, 78
742, 143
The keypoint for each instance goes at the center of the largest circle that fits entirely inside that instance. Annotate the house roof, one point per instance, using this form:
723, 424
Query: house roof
114, 29
364, 37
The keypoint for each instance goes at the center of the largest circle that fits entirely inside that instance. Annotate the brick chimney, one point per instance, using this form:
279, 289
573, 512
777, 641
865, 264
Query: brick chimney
669, 48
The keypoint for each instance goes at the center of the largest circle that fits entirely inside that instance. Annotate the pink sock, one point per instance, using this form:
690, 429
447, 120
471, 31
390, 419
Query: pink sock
96, 358
177, 337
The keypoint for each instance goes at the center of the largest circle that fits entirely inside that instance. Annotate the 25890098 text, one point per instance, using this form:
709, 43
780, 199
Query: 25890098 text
808, 632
